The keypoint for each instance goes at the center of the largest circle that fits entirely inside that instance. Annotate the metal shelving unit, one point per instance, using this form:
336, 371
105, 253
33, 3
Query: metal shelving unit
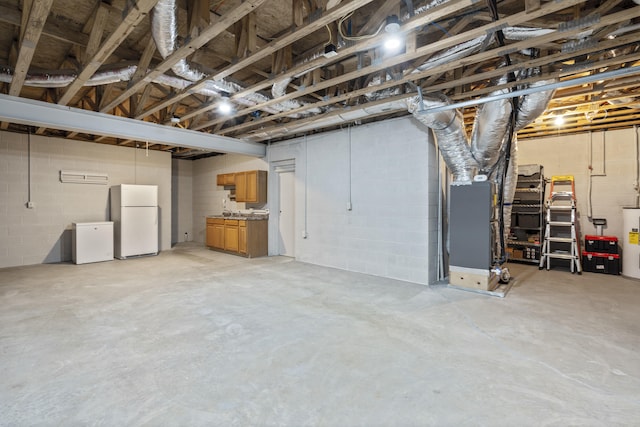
526, 235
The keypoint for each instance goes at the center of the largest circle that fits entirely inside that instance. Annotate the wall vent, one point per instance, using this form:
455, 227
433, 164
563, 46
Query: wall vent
84, 177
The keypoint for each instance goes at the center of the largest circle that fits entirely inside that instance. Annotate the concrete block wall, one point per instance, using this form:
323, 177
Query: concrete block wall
43, 234
207, 196
613, 154
388, 171
181, 201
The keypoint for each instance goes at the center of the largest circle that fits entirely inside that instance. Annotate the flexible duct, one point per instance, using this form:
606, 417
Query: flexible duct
510, 183
164, 28
532, 105
490, 127
448, 128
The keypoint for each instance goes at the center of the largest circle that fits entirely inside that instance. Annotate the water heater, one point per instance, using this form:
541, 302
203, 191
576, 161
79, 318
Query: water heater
631, 245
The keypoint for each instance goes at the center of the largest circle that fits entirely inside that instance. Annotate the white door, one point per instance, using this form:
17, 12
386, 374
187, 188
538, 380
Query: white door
139, 230
286, 235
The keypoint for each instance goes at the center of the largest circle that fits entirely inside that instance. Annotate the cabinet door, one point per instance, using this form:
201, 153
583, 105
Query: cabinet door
241, 187
210, 235
231, 238
242, 237
218, 236
220, 179
229, 178
251, 189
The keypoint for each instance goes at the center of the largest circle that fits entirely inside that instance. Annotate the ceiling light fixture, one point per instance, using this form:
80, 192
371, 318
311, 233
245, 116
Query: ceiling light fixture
393, 40
559, 120
225, 106
392, 25
175, 119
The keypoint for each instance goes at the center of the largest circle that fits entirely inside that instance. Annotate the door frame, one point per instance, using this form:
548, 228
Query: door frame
278, 167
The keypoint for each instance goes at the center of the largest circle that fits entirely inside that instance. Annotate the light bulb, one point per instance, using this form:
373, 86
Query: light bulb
559, 120
225, 107
392, 42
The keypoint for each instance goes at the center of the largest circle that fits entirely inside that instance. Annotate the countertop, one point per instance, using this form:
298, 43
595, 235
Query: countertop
247, 217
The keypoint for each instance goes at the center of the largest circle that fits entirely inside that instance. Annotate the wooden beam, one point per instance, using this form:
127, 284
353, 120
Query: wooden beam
30, 36
531, 5
197, 15
133, 16
453, 40
207, 34
465, 80
438, 12
97, 30
278, 44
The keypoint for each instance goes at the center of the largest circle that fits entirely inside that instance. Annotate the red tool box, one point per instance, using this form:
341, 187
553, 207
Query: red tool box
601, 263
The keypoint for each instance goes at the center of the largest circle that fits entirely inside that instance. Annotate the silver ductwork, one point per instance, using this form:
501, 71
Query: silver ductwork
164, 29
510, 183
448, 129
532, 105
490, 130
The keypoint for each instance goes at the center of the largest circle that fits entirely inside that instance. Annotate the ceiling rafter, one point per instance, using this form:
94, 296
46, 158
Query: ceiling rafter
207, 34
30, 36
424, 50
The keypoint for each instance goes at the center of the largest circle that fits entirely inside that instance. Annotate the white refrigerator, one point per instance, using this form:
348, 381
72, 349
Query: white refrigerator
134, 212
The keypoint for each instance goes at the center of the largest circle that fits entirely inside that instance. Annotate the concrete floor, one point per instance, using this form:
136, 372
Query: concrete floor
194, 337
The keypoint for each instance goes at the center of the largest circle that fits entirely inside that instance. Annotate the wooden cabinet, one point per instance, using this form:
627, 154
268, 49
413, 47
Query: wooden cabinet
226, 179
231, 235
250, 186
241, 187
215, 233
242, 237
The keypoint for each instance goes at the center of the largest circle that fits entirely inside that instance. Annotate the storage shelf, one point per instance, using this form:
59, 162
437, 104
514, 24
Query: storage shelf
533, 261
522, 243
528, 205
527, 213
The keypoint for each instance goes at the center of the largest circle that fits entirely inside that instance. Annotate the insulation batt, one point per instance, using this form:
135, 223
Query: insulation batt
448, 128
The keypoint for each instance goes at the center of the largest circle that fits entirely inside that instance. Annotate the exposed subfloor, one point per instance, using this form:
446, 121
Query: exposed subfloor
194, 337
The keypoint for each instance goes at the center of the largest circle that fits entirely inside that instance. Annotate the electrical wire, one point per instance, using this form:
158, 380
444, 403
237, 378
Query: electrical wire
355, 38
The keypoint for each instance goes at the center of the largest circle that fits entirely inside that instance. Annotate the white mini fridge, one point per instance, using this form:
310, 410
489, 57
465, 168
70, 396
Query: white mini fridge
92, 242
134, 212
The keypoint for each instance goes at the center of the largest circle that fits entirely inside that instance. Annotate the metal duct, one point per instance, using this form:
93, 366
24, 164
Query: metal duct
533, 104
448, 128
510, 183
49, 80
524, 33
490, 127
345, 116
456, 52
164, 27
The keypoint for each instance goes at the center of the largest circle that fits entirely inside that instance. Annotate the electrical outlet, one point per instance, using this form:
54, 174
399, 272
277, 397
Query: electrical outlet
349, 207
304, 234
30, 205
